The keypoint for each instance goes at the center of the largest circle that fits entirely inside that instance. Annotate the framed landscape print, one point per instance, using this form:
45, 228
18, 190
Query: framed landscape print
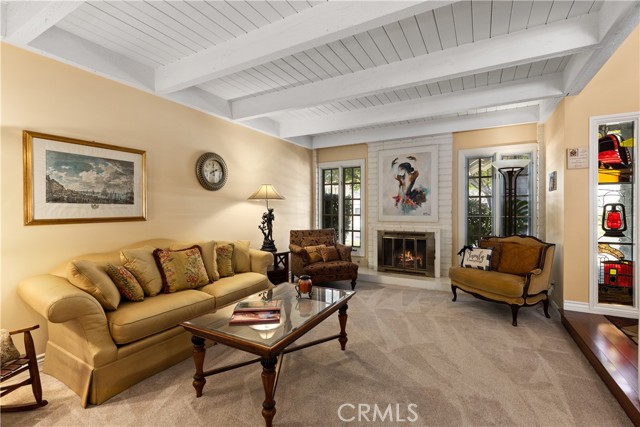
73, 181
408, 184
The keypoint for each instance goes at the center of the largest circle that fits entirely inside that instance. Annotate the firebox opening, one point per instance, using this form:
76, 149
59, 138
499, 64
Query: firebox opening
406, 252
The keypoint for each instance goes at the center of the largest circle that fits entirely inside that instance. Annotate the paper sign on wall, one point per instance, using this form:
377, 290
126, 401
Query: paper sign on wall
578, 158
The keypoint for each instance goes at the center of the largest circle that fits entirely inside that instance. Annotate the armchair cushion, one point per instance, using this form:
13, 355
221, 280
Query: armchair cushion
329, 253
314, 253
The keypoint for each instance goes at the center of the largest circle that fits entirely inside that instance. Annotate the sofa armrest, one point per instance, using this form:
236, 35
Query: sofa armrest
260, 261
344, 251
57, 300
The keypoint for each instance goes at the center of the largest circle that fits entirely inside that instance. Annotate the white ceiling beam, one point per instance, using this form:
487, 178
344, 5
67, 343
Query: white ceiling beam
560, 38
26, 20
204, 101
66, 47
515, 116
315, 26
506, 93
617, 20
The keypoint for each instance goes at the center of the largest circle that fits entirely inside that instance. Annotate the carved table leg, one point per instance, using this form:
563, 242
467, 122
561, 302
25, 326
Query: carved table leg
198, 358
342, 317
268, 383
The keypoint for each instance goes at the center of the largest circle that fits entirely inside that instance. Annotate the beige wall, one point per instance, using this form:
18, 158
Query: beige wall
494, 137
614, 89
43, 95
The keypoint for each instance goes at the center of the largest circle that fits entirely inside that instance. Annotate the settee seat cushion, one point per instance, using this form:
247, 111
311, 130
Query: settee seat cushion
234, 288
504, 284
136, 320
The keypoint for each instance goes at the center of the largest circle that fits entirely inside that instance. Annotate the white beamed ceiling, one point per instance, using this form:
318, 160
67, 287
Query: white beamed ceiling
331, 73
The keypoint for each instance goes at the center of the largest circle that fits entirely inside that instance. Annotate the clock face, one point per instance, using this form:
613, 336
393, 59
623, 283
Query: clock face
211, 171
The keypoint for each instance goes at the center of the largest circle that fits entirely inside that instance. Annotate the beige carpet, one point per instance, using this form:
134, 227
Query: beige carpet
459, 364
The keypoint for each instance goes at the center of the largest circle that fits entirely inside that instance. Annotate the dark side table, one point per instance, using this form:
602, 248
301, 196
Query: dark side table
279, 273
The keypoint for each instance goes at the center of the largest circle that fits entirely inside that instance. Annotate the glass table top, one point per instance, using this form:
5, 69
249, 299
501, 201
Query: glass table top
294, 313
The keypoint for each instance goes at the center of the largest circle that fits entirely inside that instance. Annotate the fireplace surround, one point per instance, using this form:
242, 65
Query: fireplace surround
407, 252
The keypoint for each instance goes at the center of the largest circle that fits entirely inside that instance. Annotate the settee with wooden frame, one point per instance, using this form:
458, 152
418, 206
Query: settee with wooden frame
519, 276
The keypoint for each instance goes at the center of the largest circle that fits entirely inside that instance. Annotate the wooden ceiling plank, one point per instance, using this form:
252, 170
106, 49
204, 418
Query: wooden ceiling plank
195, 21
334, 59
398, 39
429, 30
321, 24
539, 13
266, 10
296, 69
25, 21
469, 82
217, 19
446, 27
456, 84
232, 14
522, 71
523, 47
512, 92
250, 13
463, 20
508, 74
370, 48
356, 50
383, 42
580, 8
345, 56
482, 79
500, 17
322, 62
315, 71
481, 11
559, 11
413, 36
520, 12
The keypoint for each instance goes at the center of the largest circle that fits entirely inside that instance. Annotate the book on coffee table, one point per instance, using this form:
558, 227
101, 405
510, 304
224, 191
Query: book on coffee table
253, 306
254, 317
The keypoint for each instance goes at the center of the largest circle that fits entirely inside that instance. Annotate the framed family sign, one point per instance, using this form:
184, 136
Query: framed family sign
68, 180
408, 182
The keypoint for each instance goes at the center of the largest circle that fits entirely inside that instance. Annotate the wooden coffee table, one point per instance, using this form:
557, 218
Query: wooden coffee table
269, 341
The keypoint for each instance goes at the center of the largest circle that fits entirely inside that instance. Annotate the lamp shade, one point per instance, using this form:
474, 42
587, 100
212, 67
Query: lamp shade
266, 192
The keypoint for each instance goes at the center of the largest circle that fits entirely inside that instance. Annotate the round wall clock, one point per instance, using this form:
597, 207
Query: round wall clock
211, 171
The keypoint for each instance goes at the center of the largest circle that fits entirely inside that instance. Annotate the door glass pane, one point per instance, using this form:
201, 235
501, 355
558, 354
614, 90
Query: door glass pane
616, 218
351, 206
479, 198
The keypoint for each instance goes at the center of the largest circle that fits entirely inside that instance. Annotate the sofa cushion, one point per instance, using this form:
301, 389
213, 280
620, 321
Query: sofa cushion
224, 258
314, 253
181, 269
208, 250
495, 247
126, 282
91, 278
136, 320
519, 259
231, 289
329, 253
141, 263
495, 282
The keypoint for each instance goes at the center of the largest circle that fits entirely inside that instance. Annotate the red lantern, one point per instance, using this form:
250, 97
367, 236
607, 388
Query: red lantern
614, 220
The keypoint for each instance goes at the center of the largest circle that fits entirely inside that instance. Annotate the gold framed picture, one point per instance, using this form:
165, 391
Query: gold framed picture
68, 181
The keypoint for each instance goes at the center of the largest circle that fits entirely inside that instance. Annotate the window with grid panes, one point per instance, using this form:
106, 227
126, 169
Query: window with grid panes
479, 198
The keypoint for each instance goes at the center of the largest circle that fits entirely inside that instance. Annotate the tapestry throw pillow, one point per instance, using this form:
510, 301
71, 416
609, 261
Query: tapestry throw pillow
224, 258
208, 250
329, 253
126, 282
8, 349
181, 269
91, 278
519, 259
141, 263
314, 253
477, 258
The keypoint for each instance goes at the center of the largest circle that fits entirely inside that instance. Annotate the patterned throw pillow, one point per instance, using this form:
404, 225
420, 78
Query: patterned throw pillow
477, 258
224, 258
8, 349
126, 282
314, 253
329, 253
182, 269
208, 251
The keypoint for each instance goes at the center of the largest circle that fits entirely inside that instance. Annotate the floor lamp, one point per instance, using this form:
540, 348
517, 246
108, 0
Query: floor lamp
267, 192
510, 169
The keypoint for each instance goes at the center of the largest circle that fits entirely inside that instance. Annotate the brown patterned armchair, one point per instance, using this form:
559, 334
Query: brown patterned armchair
310, 249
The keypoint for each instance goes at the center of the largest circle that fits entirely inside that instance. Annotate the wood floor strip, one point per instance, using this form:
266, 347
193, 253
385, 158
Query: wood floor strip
613, 355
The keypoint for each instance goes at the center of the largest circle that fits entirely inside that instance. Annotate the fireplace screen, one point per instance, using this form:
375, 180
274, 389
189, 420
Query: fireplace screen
404, 252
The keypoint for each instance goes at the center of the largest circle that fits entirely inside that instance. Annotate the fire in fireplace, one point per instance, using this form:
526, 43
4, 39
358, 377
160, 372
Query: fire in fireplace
406, 252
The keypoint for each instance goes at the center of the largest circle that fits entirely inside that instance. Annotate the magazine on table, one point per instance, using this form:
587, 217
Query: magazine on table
254, 317
252, 306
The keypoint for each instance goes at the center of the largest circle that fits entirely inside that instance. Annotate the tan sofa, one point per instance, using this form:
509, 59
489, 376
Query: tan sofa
520, 273
99, 352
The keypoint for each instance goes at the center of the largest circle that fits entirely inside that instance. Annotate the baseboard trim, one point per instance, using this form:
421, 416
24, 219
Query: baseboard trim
583, 307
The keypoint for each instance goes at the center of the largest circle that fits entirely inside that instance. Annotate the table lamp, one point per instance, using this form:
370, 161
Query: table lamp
267, 192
